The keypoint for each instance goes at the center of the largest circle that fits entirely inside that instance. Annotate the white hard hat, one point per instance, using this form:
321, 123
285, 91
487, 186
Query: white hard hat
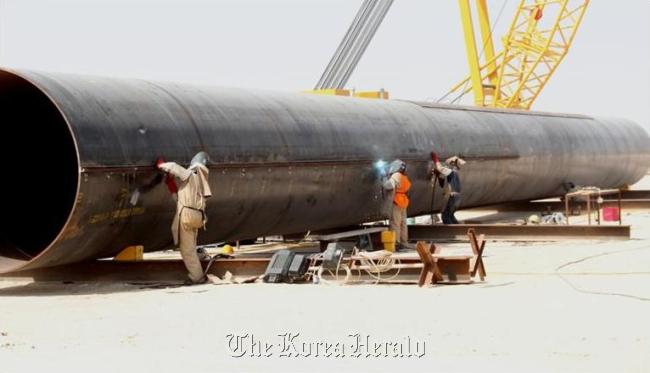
455, 160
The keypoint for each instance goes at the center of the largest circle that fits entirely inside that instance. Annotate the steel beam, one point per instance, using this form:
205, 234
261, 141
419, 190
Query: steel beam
140, 271
519, 232
630, 199
154, 271
558, 206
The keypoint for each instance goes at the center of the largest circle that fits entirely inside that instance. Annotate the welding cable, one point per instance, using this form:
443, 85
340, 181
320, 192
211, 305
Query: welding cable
574, 287
348, 273
207, 268
213, 258
384, 264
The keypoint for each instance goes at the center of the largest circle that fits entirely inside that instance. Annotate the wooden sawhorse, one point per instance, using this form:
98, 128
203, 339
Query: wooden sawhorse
451, 269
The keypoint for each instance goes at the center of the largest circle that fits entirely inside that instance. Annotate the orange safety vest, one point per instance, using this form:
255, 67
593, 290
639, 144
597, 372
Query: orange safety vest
400, 198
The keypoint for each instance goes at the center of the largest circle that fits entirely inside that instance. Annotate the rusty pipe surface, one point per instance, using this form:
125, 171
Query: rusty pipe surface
280, 162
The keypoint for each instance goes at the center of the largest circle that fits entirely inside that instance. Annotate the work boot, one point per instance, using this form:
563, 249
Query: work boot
404, 248
189, 282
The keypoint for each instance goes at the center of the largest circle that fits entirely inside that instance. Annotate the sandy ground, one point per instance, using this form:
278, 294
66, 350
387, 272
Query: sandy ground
547, 307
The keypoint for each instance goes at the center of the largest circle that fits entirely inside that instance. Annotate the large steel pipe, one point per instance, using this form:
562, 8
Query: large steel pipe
75, 148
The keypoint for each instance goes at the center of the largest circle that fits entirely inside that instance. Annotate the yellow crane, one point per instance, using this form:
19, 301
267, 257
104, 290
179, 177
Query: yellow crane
539, 38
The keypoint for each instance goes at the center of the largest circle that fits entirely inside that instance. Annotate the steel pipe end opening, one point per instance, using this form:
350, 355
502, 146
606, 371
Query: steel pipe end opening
40, 171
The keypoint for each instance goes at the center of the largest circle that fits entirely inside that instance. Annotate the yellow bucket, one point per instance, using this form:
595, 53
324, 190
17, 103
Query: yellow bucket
388, 239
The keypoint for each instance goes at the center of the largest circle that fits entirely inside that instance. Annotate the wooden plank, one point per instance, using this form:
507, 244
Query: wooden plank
452, 256
348, 234
454, 271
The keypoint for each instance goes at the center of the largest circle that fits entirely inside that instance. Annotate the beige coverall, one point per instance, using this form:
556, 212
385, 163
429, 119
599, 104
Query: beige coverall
398, 214
193, 189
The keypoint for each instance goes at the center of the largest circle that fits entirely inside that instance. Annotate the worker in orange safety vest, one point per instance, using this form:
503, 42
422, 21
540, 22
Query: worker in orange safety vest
400, 184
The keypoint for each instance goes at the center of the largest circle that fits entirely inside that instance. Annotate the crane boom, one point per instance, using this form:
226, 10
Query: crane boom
539, 38
354, 44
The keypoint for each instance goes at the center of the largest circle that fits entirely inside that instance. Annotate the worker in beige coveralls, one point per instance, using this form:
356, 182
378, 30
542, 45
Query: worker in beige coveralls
193, 189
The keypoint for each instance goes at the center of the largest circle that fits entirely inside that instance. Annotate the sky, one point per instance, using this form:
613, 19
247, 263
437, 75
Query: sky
418, 53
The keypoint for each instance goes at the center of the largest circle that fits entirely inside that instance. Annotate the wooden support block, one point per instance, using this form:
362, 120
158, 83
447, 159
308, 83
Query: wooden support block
130, 254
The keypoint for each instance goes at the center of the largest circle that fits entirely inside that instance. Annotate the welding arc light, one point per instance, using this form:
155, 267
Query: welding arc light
380, 166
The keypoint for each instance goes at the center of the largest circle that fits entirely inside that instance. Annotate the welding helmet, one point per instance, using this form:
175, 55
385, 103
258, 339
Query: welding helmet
201, 158
396, 166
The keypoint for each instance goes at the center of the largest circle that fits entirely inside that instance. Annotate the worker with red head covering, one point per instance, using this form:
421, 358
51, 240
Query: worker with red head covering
449, 173
193, 189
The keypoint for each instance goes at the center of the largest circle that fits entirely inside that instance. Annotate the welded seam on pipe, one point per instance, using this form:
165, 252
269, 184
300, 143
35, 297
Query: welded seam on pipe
215, 166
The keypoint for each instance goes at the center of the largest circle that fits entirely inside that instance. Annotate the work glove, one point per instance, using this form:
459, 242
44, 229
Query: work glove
171, 184
159, 162
169, 179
